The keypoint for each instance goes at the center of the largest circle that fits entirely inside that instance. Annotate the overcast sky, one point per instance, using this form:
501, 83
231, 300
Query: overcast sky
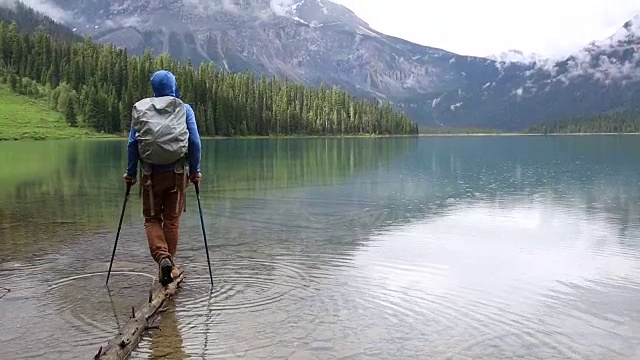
485, 27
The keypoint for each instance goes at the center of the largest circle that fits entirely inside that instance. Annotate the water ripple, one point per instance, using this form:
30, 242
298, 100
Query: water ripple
448, 257
245, 284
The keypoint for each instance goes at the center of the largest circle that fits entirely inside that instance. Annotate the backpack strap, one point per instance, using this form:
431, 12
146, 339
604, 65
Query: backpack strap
149, 186
179, 166
180, 170
145, 167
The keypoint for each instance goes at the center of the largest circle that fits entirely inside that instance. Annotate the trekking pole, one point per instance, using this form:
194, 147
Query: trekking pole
204, 235
126, 197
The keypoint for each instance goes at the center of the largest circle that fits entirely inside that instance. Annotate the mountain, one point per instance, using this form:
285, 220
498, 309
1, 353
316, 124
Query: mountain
315, 41
602, 77
308, 41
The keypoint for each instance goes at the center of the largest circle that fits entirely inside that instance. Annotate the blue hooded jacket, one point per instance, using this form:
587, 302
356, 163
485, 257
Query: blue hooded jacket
163, 83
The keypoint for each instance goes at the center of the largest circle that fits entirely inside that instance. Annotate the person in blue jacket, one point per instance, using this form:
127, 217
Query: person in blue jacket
163, 198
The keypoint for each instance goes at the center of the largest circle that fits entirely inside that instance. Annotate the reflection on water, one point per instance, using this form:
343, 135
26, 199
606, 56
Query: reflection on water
75, 187
454, 248
166, 343
507, 281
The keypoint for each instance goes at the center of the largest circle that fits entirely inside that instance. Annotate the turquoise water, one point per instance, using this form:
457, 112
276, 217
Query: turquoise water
451, 247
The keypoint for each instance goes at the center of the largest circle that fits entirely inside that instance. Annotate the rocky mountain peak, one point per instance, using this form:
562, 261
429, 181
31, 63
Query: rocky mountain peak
628, 34
324, 12
313, 12
315, 41
308, 41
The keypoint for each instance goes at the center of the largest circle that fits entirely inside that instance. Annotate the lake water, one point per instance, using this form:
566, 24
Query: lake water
405, 248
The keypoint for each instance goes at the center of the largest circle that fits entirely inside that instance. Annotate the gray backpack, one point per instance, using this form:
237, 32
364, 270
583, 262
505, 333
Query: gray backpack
161, 129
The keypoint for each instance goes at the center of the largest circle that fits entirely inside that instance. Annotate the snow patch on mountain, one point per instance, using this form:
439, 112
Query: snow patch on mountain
290, 8
362, 30
516, 56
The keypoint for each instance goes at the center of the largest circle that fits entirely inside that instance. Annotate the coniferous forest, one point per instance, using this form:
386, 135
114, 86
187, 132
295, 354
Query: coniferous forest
96, 85
617, 122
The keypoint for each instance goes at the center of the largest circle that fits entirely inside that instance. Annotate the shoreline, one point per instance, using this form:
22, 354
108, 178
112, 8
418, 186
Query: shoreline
275, 137
524, 134
208, 137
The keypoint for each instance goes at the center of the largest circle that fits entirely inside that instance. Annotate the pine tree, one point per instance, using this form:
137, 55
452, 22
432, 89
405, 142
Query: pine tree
13, 81
70, 113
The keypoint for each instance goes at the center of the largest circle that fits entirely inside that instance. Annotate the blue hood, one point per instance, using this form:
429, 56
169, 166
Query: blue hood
163, 83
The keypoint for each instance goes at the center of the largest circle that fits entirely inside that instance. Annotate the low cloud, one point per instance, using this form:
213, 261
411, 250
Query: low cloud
600, 52
42, 6
281, 7
230, 6
133, 21
278, 7
614, 58
7, 3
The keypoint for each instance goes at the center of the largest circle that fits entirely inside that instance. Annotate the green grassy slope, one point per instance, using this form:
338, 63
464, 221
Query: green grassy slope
23, 117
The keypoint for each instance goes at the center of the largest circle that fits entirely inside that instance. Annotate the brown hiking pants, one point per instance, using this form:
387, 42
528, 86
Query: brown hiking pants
163, 202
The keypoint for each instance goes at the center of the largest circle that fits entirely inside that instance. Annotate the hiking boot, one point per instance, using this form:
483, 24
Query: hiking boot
175, 273
165, 272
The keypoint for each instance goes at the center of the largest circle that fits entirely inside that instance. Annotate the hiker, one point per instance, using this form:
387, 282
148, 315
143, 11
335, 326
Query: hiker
164, 139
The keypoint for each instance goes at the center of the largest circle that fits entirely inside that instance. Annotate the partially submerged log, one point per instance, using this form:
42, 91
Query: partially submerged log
140, 321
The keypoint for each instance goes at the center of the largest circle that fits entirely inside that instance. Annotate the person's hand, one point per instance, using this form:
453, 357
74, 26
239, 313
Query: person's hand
129, 180
195, 178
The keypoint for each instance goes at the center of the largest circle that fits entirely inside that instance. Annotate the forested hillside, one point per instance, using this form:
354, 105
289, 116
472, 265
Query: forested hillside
29, 20
98, 84
617, 122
